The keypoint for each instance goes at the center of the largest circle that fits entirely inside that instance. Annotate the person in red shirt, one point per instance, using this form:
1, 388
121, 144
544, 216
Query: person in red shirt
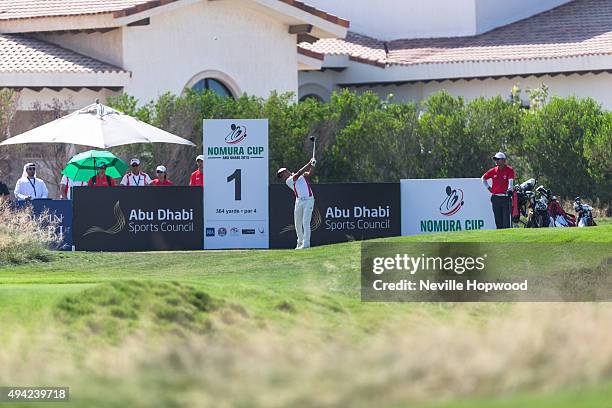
101, 179
197, 177
162, 177
502, 183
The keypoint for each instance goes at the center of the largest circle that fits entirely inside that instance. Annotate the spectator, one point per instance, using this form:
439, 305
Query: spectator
101, 179
135, 177
197, 177
65, 188
29, 187
162, 177
502, 181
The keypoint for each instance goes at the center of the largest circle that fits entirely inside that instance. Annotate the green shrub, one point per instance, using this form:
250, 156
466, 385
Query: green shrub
565, 143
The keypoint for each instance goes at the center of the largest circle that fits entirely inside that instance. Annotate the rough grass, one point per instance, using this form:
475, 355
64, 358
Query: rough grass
287, 329
531, 348
22, 238
111, 311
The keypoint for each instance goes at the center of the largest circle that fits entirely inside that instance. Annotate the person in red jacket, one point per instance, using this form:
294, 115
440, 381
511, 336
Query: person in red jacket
101, 179
162, 177
197, 177
502, 183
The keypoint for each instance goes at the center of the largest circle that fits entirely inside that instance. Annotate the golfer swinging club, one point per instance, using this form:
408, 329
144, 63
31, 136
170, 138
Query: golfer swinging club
304, 200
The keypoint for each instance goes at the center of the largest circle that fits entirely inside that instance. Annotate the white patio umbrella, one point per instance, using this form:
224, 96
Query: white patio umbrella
98, 126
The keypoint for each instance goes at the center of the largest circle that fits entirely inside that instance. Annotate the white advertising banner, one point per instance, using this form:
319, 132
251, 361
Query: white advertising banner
236, 183
445, 205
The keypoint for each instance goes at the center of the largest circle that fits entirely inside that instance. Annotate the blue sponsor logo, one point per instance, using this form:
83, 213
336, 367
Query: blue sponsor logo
210, 232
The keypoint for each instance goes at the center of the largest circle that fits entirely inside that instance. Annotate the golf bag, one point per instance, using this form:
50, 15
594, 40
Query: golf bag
539, 217
584, 213
557, 216
522, 202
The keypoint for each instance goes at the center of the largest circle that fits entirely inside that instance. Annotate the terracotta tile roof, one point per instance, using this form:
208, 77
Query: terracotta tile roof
358, 47
19, 9
21, 54
578, 28
311, 54
319, 13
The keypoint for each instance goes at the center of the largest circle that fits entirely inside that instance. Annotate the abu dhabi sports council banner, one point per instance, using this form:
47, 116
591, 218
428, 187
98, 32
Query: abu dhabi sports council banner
236, 183
56, 215
343, 212
445, 205
137, 218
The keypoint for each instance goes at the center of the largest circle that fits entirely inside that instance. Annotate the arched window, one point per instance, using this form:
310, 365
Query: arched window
313, 96
214, 85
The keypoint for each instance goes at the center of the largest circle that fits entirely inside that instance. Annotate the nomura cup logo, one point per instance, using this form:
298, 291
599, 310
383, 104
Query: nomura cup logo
236, 135
452, 203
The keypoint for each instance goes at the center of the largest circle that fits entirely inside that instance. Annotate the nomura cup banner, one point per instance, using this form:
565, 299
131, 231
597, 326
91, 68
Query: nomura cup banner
445, 205
236, 183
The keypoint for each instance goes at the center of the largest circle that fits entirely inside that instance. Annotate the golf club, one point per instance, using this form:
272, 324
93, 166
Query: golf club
314, 145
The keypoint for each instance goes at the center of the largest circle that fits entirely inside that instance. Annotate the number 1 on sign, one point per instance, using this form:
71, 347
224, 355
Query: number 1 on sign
236, 176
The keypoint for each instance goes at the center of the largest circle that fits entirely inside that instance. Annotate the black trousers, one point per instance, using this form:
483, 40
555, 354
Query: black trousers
502, 208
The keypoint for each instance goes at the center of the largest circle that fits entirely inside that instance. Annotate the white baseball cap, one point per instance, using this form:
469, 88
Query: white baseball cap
499, 155
200, 157
161, 169
280, 172
135, 161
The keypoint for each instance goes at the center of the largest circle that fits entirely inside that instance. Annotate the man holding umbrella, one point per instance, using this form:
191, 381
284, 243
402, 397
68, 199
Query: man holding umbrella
96, 168
101, 179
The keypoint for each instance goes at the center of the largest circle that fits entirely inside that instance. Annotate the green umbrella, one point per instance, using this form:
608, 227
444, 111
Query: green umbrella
82, 166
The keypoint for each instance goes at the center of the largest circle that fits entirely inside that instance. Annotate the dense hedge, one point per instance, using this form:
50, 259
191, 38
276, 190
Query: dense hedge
564, 143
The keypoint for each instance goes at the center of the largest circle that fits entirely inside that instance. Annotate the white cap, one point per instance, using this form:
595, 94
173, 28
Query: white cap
200, 157
280, 171
499, 155
134, 161
161, 169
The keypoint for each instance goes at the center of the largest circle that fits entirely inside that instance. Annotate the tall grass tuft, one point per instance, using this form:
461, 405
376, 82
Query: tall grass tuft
23, 236
531, 348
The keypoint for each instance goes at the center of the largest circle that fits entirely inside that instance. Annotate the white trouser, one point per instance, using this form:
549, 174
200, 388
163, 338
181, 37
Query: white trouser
301, 217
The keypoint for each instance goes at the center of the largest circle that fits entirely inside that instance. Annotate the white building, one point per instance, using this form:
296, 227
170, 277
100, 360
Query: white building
67, 53
470, 48
87, 49
80, 50
74, 51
